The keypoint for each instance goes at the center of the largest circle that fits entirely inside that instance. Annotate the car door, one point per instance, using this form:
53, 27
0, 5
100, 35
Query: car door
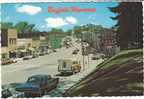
46, 84
50, 83
44, 81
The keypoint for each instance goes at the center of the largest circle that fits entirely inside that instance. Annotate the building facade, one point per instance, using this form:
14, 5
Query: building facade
9, 42
108, 42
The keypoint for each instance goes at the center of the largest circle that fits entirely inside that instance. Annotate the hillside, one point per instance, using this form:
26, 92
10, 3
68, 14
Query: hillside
121, 75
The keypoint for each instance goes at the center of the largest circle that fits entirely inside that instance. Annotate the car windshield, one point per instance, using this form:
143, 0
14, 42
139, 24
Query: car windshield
33, 80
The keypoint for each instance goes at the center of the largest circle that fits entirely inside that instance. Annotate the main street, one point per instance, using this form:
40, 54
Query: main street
47, 64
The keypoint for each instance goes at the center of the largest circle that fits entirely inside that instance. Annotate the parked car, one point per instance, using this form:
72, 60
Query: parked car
6, 61
35, 55
41, 54
16, 59
54, 50
78, 41
38, 85
6, 93
9, 91
75, 51
28, 57
98, 56
67, 66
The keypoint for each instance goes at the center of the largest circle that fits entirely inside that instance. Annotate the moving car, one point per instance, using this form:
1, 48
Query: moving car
38, 85
66, 66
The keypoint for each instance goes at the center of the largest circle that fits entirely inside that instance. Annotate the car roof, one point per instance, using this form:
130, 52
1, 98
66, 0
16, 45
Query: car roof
40, 76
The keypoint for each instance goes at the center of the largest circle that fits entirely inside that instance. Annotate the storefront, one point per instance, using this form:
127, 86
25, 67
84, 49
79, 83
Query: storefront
4, 53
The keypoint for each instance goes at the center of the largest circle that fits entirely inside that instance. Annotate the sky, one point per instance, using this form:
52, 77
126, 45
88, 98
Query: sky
37, 13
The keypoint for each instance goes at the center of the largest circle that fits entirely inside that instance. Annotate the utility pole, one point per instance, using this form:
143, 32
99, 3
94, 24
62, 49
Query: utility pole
88, 56
82, 46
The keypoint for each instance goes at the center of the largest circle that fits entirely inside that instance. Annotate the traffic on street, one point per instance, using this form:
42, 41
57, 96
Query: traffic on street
49, 64
64, 49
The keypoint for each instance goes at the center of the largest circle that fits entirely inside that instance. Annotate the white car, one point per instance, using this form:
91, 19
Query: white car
16, 59
27, 57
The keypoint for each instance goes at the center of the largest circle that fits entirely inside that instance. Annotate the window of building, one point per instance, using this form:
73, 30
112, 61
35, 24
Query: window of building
12, 40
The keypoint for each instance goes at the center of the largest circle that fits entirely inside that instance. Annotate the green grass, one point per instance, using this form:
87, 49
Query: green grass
121, 57
119, 75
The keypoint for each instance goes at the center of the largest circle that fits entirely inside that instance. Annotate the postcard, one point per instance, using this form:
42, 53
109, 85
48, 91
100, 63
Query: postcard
71, 49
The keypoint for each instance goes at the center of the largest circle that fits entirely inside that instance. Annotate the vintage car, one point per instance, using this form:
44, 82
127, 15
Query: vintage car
75, 51
9, 91
6, 61
69, 66
98, 56
38, 85
27, 57
6, 93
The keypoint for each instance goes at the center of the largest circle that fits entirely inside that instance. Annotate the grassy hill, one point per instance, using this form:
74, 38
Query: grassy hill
121, 75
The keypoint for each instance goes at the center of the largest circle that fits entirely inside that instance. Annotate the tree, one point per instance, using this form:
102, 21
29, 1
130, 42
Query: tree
24, 27
130, 25
55, 30
77, 31
69, 32
7, 25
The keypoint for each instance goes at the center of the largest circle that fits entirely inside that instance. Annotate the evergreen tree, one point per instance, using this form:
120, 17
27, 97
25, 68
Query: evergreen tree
130, 25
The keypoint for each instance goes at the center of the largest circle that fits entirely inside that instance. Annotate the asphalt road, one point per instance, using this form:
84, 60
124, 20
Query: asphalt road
47, 64
20, 71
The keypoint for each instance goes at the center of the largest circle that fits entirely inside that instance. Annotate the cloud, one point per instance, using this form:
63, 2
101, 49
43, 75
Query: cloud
55, 22
71, 20
31, 10
58, 21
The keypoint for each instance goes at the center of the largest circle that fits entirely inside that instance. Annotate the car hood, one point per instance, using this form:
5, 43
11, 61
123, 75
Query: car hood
27, 87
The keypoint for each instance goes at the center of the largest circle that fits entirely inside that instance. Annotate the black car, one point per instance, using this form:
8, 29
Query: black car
38, 85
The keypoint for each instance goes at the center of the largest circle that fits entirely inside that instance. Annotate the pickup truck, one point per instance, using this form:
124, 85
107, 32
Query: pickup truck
38, 85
